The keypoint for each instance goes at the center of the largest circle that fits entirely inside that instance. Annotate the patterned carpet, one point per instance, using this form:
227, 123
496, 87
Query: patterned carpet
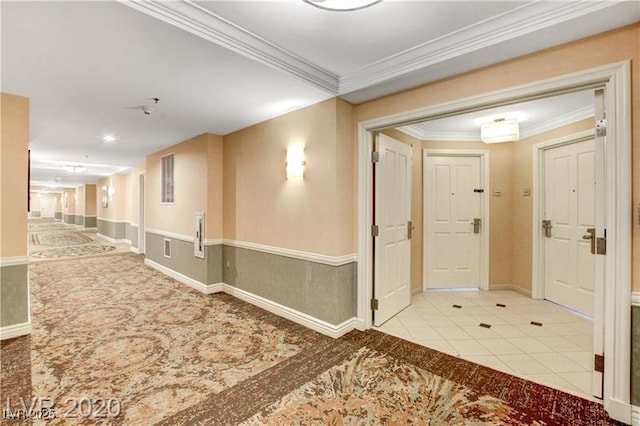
50, 240
110, 327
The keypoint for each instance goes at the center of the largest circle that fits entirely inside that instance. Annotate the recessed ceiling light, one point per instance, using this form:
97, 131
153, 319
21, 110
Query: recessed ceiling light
109, 138
342, 5
74, 169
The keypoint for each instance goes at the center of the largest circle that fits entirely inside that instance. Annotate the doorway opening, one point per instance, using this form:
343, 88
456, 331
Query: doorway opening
615, 79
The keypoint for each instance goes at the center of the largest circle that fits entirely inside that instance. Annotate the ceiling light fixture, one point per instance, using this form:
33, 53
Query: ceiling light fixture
342, 5
109, 138
74, 169
500, 130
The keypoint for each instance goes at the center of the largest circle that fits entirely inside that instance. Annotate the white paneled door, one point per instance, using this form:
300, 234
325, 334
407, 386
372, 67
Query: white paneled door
392, 246
569, 204
452, 204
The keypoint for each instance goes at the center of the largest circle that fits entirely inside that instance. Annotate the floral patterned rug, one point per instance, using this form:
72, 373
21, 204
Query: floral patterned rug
51, 240
59, 238
110, 327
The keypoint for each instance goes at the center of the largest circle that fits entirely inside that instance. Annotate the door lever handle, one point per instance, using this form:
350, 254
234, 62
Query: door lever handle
476, 225
546, 225
591, 236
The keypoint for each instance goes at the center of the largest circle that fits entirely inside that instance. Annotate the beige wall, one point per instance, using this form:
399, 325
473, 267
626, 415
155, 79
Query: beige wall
190, 186
314, 214
90, 200
116, 210
14, 131
80, 203
214, 213
68, 207
611, 47
132, 191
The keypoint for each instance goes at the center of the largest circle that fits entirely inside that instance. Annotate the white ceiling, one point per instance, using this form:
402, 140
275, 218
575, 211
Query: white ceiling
219, 66
534, 117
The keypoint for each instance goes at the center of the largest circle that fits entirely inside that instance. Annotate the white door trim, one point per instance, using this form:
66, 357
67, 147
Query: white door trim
616, 78
483, 154
142, 232
537, 265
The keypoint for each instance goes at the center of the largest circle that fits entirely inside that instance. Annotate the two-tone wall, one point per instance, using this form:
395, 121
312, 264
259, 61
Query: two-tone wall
198, 188
287, 244
111, 197
15, 317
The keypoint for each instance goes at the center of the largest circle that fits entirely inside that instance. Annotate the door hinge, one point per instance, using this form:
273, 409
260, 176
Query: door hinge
598, 363
601, 127
374, 304
410, 230
375, 156
375, 231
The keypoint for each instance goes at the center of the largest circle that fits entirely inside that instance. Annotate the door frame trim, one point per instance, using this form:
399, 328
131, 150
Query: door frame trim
483, 155
617, 79
537, 248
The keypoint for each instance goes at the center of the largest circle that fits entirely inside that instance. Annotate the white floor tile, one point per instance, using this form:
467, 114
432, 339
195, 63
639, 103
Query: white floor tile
441, 322
584, 341
523, 364
580, 380
467, 347
583, 358
500, 346
478, 332
423, 333
464, 320
559, 343
452, 333
489, 361
508, 331
536, 331
530, 345
413, 322
557, 363
558, 354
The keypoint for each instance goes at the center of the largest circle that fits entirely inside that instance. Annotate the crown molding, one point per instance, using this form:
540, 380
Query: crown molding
199, 21
426, 135
561, 120
526, 132
508, 26
501, 28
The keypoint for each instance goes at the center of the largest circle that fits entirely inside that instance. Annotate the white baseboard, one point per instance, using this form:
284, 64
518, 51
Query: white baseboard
619, 410
635, 415
301, 318
197, 285
16, 330
90, 229
512, 287
635, 298
113, 240
134, 249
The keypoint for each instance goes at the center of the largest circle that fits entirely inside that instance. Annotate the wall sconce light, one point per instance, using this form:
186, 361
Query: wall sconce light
295, 162
500, 130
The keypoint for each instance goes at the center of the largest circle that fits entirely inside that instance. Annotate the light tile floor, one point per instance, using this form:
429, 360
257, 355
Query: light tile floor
557, 354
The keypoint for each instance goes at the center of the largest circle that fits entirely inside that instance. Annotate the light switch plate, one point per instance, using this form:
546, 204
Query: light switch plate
497, 192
